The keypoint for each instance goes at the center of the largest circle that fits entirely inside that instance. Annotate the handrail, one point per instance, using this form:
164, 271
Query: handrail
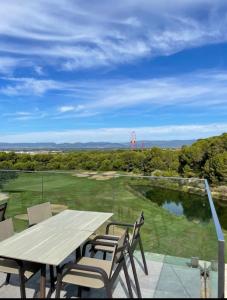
219, 232
114, 175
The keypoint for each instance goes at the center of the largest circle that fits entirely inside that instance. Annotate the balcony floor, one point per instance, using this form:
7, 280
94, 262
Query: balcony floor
172, 279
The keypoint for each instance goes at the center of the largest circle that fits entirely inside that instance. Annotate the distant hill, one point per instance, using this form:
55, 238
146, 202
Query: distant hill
93, 145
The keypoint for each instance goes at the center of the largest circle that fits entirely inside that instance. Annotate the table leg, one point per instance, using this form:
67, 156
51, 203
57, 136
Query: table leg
78, 253
43, 282
52, 285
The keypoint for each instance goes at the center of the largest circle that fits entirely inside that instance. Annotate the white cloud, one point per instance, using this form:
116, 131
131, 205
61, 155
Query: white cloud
28, 86
169, 132
39, 70
8, 64
86, 98
77, 35
195, 89
25, 115
64, 109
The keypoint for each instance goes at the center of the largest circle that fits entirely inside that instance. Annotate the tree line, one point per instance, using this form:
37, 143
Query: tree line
205, 158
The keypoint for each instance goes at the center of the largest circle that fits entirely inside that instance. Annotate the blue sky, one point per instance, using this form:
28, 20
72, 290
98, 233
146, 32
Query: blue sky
97, 70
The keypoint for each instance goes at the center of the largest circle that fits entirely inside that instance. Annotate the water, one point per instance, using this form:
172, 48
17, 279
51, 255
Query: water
193, 207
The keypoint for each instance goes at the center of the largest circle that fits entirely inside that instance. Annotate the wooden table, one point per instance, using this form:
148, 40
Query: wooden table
53, 240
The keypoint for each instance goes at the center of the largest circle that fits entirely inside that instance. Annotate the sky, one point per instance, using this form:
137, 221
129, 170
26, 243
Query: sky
81, 71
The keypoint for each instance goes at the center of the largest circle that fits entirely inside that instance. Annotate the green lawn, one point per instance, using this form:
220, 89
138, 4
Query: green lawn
162, 233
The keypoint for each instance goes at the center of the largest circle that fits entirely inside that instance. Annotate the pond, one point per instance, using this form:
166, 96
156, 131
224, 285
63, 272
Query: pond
194, 207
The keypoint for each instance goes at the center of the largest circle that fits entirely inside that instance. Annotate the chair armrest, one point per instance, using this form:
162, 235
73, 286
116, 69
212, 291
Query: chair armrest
97, 242
73, 266
103, 243
106, 237
118, 224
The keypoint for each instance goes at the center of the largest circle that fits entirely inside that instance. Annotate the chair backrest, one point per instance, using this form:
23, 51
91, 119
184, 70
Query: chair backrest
137, 226
6, 229
2, 211
119, 249
39, 213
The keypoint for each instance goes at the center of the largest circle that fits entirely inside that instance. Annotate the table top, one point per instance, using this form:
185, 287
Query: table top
54, 239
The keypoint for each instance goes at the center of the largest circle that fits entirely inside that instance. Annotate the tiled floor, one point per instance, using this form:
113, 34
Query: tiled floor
168, 277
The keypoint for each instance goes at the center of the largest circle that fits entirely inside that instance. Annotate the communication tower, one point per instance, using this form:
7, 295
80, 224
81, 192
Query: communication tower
133, 140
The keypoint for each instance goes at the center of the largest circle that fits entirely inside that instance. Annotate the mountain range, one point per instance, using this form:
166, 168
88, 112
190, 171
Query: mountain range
93, 145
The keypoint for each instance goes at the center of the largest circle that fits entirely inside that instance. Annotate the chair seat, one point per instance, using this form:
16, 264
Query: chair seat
85, 278
10, 266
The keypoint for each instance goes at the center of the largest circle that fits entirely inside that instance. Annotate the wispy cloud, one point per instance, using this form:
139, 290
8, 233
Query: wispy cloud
120, 134
70, 108
25, 115
28, 86
77, 35
64, 109
8, 64
204, 90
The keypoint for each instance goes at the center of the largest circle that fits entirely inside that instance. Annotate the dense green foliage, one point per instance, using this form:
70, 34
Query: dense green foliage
205, 158
138, 161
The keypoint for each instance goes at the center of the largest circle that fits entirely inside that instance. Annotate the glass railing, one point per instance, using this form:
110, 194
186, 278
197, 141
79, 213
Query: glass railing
181, 236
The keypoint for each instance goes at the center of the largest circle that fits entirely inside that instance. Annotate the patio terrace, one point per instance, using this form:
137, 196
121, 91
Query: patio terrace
165, 280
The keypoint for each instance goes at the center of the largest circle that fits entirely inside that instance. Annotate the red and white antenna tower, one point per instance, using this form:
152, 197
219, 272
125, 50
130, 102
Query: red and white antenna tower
133, 140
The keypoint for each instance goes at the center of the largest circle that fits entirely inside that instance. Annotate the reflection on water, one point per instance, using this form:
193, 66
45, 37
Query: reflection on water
193, 207
221, 208
176, 209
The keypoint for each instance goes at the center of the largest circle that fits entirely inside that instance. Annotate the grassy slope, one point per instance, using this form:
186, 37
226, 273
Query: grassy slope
162, 233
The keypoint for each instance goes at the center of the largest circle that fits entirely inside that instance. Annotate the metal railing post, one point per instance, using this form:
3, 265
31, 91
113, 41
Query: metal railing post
221, 269
221, 244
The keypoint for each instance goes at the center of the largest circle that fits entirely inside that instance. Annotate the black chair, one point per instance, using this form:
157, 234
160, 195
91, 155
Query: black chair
134, 240
97, 273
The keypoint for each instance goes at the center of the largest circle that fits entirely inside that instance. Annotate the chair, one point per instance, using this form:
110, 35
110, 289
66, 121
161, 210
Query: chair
39, 213
25, 270
134, 240
3, 207
96, 273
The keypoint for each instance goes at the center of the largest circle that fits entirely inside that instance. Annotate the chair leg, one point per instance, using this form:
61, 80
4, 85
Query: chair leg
22, 284
143, 256
58, 289
92, 253
108, 291
134, 273
127, 280
79, 292
8, 275
78, 253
